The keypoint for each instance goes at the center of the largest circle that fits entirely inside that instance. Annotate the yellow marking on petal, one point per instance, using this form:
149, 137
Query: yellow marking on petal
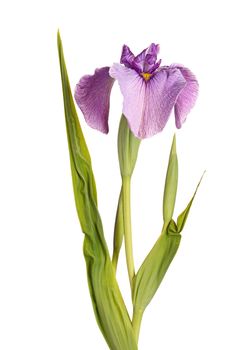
146, 76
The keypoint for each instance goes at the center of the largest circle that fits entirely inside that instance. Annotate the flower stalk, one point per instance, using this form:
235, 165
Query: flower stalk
128, 146
126, 185
136, 322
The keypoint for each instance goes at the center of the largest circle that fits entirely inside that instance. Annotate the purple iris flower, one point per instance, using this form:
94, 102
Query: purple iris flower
150, 92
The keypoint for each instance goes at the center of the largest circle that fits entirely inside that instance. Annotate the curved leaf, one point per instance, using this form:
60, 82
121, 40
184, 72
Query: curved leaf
181, 220
153, 269
110, 310
118, 231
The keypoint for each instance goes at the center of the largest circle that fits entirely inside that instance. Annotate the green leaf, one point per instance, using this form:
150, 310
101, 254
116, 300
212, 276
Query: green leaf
118, 231
157, 262
171, 184
153, 269
155, 265
110, 310
184, 215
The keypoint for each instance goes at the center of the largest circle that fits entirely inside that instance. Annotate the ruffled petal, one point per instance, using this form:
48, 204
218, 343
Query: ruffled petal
148, 104
141, 57
92, 95
130, 61
152, 53
127, 56
187, 97
139, 61
151, 57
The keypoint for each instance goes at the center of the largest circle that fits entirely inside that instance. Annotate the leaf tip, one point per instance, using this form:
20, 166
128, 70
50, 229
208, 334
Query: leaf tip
59, 41
173, 147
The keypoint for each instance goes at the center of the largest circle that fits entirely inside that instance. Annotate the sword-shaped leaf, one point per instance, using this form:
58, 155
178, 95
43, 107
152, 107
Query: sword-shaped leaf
155, 265
118, 231
182, 218
153, 269
157, 262
110, 310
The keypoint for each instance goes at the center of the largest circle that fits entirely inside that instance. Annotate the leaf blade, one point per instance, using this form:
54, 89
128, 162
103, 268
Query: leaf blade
118, 231
182, 218
109, 308
154, 268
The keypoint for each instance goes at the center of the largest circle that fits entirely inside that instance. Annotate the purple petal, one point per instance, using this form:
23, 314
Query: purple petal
151, 57
92, 95
141, 56
154, 49
187, 97
154, 67
130, 61
139, 61
127, 56
148, 104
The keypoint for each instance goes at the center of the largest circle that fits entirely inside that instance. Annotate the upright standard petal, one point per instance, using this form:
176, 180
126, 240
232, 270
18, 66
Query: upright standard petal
187, 97
151, 57
139, 61
92, 95
130, 61
127, 56
148, 104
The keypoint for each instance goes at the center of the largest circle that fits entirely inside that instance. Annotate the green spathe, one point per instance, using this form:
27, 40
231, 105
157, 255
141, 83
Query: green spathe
128, 146
171, 184
109, 307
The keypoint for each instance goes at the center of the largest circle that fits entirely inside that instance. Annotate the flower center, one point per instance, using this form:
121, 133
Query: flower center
146, 76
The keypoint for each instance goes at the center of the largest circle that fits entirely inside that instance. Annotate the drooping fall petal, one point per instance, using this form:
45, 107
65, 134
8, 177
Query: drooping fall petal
187, 97
148, 104
92, 95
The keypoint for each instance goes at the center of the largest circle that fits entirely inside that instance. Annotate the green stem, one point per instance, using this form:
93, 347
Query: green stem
136, 322
128, 227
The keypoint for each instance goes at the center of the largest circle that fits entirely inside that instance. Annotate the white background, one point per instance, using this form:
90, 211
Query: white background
44, 300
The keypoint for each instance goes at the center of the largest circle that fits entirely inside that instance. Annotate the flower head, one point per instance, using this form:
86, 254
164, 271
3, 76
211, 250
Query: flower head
150, 92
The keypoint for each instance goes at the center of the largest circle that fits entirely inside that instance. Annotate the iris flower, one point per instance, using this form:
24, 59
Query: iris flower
150, 92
